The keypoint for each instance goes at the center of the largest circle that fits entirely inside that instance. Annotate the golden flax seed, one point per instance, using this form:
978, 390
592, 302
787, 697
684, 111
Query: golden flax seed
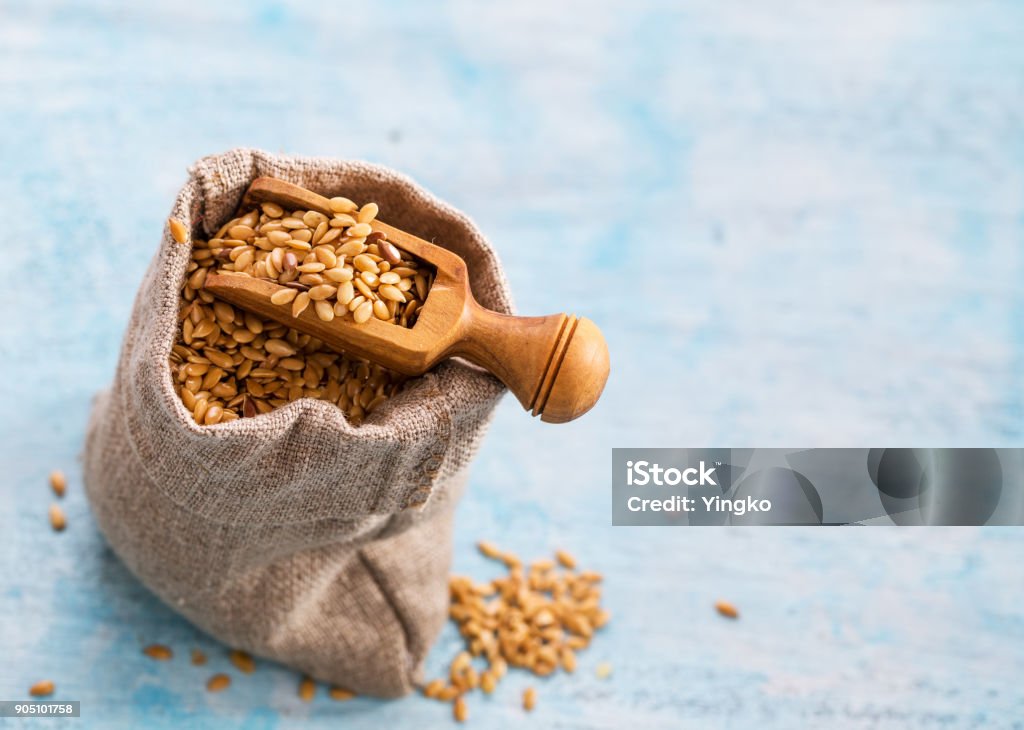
159, 652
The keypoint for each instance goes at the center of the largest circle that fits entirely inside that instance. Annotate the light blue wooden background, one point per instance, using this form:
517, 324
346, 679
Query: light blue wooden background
799, 224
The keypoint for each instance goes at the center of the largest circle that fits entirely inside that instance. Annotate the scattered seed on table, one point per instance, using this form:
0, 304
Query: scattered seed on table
340, 695
58, 482
243, 661
307, 689
459, 710
218, 683
433, 688
57, 519
42, 689
159, 652
198, 658
565, 559
604, 670
488, 550
727, 609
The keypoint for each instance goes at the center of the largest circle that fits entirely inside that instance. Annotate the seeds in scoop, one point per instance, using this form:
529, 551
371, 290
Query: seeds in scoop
159, 652
727, 609
529, 699
243, 661
218, 683
44, 688
178, 231
340, 695
58, 482
222, 365
307, 689
198, 658
57, 520
283, 296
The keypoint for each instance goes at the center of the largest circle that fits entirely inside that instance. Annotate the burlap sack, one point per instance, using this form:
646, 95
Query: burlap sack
293, 535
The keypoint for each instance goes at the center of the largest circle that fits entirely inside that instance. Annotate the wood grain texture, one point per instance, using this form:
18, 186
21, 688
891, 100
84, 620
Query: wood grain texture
797, 223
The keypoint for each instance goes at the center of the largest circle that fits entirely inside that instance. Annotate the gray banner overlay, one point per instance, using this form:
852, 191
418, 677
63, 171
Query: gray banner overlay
910, 487
39, 708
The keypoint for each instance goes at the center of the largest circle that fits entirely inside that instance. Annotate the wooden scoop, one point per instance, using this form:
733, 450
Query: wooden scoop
556, 365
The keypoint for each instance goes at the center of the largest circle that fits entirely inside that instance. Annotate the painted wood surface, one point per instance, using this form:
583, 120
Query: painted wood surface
797, 223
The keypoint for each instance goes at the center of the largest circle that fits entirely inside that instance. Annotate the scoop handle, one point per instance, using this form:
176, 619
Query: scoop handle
556, 365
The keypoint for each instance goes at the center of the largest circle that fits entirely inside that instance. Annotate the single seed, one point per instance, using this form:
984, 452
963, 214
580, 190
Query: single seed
529, 699
727, 609
198, 658
321, 292
342, 205
459, 710
44, 688
380, 310
363, 312
351, 248
159, 652
281, 348
178, 231
242, 233
433, 688
340, 695
391, 292
364, 263
488, 549
243, 661
279, 238
565, 559
339, 274
57, 520
58, 482
283, 296
324, 310
273, 210
389, 252
307, 689
346, 292
300, 304
360, 230
604, 670
218, 683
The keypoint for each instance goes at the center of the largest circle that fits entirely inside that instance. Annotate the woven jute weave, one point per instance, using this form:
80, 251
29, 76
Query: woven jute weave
294, 534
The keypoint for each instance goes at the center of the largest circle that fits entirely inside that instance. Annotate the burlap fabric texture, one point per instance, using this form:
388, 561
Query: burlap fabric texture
293, 535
